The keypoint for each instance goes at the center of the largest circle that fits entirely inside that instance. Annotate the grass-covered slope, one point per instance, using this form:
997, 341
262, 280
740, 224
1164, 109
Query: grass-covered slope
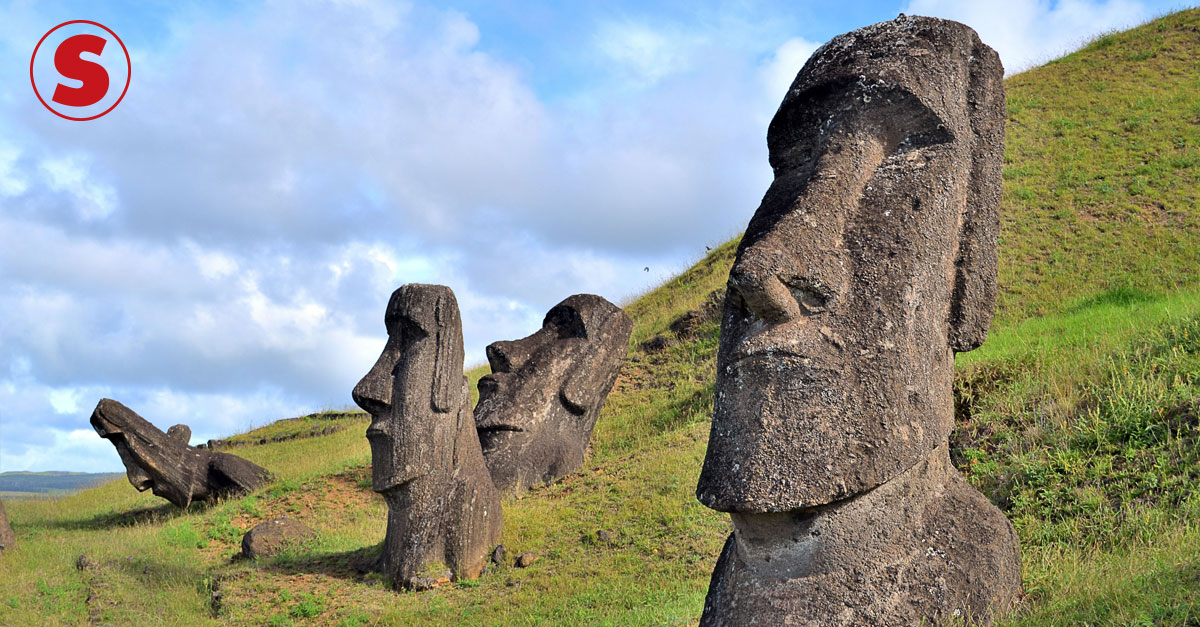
1078, 418
1102, 170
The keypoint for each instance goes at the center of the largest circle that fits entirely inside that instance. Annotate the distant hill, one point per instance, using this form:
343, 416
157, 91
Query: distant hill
54, 481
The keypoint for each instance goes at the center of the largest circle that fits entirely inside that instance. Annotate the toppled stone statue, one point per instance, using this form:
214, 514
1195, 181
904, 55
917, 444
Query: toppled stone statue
425, 455
869, 263
167, 465
537, 409
8, 540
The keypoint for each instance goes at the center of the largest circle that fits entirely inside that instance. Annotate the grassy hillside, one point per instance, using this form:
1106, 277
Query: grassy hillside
1079, 418
1102, 170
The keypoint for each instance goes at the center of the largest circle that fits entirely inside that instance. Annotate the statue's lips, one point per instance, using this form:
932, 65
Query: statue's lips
769, 354
494, 427
374, 434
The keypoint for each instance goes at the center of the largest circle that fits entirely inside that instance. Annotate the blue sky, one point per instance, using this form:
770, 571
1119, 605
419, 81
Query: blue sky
218, 250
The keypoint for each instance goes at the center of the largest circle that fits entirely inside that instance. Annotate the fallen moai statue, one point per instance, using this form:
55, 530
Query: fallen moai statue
8, 540
167, 465
425, 454
869, 263
537, 409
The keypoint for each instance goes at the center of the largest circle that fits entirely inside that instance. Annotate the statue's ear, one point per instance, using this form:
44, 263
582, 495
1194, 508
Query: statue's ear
180, 433
973, 299
448, 356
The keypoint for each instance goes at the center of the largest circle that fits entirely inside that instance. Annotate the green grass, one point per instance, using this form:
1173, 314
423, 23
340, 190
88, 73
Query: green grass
1102, 170
1085, 429
321, 423
1078, 417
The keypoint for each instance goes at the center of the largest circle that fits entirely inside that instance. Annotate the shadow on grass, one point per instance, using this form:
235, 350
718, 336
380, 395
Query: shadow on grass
357, 565
142, 516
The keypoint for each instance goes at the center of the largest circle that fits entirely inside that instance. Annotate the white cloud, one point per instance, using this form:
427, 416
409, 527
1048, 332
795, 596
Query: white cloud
1029, 32
11, 183
72, 174
782, 68
64, 401
644, 55
213, 265
77, 448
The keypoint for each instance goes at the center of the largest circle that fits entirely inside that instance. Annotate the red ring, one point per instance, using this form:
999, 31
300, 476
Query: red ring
128, 71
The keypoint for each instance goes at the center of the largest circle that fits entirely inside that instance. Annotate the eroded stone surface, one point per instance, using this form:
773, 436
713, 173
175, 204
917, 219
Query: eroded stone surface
271, 536
166, 464
425, 454
8, 540
537, 409
921, 546
870, 261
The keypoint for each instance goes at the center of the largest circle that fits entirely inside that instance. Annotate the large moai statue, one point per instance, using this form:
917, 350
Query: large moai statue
869, 263
425, 455
166, 464
8, 540
537, 409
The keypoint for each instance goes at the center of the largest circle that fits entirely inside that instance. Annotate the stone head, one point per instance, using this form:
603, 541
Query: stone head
537, 409
151, 457
417, 378
870, 261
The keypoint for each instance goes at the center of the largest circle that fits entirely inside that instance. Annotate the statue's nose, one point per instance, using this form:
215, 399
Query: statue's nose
507, 356
755, 278
374, 392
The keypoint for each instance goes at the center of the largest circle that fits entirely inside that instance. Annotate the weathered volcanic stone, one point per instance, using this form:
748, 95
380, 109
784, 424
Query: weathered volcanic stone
869, 263
269, 537
166, 464
923, 546
425, 454
8, 540
537, 409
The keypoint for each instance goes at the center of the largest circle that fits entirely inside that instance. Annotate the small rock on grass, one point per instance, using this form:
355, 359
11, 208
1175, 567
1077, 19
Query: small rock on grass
267, 538
524, 560
421, 584
498, 554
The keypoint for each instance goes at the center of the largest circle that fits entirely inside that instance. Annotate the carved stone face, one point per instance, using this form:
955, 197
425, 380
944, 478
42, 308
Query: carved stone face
537, 409
164, 463
156, 461
418, 376
854, 282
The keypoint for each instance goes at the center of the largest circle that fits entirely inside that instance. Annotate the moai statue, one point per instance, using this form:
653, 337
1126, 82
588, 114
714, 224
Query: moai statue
425, 455
869, 263
166, 464
8, 541
537, 409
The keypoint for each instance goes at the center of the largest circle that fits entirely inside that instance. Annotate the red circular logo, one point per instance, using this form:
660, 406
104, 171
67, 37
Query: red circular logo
80, 88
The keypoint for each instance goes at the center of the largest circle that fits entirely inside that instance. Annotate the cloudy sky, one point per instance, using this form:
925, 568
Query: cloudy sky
218, 250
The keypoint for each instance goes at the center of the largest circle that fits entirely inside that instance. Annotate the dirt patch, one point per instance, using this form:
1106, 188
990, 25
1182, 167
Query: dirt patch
687, 327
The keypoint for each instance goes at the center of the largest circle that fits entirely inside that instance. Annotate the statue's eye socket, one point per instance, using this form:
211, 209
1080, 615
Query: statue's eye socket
567, 322
812, 297
412, 331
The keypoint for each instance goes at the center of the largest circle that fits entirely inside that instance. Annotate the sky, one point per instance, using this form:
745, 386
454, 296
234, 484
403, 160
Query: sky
218, 249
